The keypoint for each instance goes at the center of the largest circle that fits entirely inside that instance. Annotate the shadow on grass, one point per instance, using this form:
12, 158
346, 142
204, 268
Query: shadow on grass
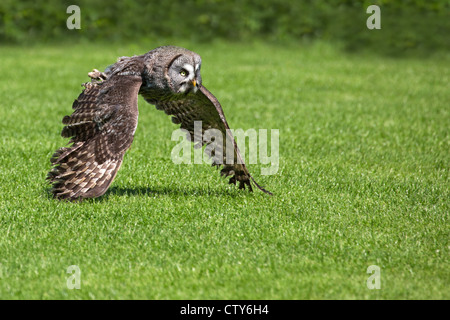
158, 191
168, 191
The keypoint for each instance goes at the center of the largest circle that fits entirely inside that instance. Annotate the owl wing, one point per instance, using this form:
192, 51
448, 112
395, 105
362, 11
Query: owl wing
203, 106
101, 130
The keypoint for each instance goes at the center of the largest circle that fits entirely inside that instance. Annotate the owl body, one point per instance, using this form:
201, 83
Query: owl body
102, 127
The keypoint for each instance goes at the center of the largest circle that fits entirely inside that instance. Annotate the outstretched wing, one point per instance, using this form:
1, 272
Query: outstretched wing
187, 109
101, 130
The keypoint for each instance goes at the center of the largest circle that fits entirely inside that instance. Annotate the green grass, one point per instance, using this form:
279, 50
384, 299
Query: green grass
363, 180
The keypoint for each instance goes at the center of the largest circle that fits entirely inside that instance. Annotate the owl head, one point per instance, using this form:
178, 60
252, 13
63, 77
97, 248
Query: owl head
184, 72
170, 69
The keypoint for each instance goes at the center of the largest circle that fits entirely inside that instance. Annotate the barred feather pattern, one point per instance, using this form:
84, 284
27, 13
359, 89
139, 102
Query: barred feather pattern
201, 105
101, 129
77, 174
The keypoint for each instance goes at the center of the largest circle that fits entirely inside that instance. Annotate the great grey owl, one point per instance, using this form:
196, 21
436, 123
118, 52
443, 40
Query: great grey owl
103, 124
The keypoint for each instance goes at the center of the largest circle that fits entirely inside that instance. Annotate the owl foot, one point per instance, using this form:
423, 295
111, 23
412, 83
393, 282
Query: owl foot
97, 75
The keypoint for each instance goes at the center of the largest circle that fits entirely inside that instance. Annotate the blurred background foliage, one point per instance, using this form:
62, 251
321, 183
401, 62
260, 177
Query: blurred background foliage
408, 26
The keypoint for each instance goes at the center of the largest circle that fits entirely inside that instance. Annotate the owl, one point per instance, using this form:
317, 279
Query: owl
105, 117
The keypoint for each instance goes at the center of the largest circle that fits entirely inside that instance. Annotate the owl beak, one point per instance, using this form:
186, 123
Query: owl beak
194, 82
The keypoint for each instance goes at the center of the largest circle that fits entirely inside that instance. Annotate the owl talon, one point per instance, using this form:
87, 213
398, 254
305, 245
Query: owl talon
97, 75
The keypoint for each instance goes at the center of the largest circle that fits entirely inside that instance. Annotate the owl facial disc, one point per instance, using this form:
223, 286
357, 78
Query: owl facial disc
190, 82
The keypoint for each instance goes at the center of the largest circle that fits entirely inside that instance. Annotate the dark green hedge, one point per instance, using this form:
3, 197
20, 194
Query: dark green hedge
406, 25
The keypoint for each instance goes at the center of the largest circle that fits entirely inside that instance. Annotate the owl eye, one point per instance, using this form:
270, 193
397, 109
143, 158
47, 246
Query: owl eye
183, 73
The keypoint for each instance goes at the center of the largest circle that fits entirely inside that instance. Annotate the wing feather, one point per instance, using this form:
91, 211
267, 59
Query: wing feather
203, 106
101, 129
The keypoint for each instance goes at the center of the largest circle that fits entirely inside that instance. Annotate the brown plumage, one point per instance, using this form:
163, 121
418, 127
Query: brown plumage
102, 126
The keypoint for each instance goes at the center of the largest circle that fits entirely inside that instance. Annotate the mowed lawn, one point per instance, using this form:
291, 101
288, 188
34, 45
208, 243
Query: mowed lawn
363, 181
